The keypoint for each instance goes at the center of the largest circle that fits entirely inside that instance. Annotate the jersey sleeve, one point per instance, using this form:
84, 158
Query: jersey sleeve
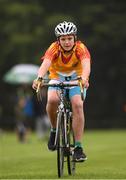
51, 52
82, 51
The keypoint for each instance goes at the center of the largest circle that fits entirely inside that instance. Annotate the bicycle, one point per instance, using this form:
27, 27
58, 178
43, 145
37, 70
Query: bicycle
64, 140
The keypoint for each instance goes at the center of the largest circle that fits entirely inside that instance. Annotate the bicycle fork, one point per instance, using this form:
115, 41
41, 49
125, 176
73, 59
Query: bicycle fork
60, 111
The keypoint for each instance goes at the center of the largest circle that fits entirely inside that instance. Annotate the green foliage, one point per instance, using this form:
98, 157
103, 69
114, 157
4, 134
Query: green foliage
21, 30
27, 27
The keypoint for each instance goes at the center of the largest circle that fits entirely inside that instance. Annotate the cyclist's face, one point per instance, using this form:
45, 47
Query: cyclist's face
67, 42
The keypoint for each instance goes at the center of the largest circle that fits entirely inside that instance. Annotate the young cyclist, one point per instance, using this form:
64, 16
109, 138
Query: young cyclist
66, 59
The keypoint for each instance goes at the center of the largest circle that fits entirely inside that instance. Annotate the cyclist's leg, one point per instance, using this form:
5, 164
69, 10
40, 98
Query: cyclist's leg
78, 122
78, 112
52, 103
51, 108
78, 117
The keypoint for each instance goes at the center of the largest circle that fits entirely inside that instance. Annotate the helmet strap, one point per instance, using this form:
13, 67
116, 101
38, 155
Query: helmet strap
75, 38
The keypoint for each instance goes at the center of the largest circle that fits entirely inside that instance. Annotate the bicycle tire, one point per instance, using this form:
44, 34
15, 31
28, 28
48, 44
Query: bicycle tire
71, 165
60, 145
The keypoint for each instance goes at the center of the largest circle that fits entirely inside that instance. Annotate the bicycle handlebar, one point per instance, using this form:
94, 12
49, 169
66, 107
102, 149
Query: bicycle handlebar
60, 85
65, 84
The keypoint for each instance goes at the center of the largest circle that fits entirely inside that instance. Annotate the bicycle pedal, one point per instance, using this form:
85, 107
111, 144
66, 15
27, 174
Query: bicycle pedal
71, 151
66, 151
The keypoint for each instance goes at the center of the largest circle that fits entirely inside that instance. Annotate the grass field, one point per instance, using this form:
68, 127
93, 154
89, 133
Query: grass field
106, 151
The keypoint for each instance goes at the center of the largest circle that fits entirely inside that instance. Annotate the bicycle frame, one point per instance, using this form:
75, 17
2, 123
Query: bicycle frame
61, 109
64, 130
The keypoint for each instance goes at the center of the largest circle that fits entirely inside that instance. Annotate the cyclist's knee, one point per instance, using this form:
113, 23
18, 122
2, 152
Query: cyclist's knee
52, 102
77, 105
51, 108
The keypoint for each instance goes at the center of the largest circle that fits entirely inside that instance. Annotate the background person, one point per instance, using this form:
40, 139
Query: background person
66, 59
24, 113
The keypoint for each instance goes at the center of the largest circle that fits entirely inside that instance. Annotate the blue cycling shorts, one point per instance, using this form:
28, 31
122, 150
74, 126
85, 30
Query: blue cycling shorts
72, 90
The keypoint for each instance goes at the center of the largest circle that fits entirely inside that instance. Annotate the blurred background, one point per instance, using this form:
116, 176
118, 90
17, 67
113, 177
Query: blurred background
26, 31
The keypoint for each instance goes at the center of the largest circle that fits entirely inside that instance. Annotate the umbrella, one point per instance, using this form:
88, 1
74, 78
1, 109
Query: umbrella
21, 73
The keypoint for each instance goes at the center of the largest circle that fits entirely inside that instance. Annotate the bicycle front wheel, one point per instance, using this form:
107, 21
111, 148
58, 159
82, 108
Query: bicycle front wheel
71, 165
60, 144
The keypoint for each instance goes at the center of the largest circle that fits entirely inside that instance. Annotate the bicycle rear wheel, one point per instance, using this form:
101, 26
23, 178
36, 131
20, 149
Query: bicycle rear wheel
71, 165
60, 144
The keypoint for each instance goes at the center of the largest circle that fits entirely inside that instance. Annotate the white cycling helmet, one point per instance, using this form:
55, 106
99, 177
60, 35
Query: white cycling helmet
65, 28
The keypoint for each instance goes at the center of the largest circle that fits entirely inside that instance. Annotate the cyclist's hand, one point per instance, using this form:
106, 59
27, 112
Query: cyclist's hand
37, 83
85, 83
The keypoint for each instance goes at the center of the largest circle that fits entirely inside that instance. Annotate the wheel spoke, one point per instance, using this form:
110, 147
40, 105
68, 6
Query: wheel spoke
60, 146
71, 141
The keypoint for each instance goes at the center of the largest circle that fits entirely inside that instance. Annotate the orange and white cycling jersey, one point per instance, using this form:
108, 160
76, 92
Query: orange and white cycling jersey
66, 62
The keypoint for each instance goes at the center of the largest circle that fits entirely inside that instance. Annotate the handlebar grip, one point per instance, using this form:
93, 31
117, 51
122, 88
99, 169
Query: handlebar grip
38, 88
81, 88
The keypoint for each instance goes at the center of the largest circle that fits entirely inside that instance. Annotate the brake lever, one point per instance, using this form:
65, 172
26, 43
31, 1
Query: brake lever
81, 87
38, 91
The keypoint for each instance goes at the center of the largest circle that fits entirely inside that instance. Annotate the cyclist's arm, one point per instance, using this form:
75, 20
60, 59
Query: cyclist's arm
86, 68
44, 68
84, 55
41, 73
47, 59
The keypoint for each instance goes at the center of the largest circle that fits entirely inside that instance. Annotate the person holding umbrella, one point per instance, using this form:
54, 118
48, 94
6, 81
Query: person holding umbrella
21, 76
